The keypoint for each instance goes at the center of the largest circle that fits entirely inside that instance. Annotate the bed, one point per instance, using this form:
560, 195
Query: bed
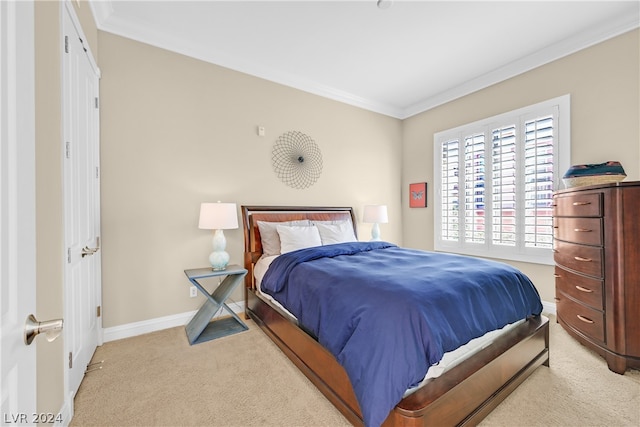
461, 395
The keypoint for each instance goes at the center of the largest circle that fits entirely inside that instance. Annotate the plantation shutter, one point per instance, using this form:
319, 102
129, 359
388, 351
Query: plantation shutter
474, 215
504, 190
538, 178
450, 193
495, 180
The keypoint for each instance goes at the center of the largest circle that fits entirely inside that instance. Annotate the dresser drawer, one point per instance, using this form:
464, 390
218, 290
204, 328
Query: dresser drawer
587, 320
581, 288
587, 231
580, 258
580, 204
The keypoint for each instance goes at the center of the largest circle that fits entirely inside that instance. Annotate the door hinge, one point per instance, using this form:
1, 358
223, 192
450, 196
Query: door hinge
97, 104
67, 150
68, 255
70, 360
98, 311
66, 44
97, 171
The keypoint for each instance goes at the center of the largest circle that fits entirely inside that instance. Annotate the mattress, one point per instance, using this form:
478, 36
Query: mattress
448, 361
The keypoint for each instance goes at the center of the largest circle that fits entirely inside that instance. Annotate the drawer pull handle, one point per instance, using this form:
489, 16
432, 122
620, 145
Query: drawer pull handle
584, 319
579, 258
557, 299
582, 230
580, 288
557, 276
581, 203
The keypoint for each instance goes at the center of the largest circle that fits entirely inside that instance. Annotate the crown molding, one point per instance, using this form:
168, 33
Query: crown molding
101, 10
106, 21
549, 54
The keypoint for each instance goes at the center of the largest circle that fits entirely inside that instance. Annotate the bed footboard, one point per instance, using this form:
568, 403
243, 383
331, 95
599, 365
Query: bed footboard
462, 396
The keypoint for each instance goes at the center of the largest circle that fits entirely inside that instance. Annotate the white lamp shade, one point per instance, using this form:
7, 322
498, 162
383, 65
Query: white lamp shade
375, 214
218, 216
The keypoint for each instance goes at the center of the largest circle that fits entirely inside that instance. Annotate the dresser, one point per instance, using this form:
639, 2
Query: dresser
597, 269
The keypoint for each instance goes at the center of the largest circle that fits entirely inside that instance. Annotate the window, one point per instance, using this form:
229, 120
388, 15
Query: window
495, 180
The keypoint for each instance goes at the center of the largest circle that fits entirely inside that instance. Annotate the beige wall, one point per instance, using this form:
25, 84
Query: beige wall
49, 219
177, 132
603, 82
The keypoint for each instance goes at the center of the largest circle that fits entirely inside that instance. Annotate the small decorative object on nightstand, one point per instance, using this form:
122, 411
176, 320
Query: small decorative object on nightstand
218, 216
376, 214
201, 328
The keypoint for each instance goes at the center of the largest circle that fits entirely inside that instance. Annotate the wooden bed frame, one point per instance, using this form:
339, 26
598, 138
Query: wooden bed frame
463, 395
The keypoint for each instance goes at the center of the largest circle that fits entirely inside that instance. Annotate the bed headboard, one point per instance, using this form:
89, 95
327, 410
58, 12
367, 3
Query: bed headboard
252, 214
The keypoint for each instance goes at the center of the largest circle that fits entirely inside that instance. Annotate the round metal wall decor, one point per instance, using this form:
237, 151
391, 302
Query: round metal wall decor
297, 159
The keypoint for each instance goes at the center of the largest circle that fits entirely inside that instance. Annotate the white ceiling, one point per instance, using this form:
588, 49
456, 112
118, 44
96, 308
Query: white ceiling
397, 61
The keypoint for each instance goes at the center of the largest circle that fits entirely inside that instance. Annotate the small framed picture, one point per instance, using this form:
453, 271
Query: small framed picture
418, 195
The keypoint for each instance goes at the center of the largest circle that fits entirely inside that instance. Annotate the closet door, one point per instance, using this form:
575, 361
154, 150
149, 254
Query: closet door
82, 285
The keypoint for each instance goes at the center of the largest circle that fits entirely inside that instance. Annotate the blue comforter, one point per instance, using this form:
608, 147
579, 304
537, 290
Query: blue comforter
388, 313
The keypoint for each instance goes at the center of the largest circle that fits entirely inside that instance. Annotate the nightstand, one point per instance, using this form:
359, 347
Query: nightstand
201, 328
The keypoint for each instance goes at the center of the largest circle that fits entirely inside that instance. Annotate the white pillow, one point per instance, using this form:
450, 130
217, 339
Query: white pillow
293, 238
336, 233
269, 235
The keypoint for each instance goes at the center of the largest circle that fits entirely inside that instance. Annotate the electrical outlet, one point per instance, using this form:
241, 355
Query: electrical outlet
193, 292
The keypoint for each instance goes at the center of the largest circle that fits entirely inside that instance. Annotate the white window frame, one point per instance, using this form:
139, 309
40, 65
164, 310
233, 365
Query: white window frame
560, 108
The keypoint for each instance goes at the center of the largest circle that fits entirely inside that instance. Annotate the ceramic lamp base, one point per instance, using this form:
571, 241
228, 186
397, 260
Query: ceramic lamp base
219, 258
375, 232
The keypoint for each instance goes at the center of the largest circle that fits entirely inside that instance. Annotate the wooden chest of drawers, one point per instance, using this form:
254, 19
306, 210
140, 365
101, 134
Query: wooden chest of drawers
597, 256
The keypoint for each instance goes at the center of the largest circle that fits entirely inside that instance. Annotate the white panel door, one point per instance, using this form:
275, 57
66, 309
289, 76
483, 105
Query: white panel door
82, 201
17, 212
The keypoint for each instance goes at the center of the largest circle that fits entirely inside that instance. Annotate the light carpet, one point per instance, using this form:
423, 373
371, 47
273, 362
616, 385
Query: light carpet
158, 379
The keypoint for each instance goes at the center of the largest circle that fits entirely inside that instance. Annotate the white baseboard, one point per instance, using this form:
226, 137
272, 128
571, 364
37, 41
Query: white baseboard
158, 324
549, 307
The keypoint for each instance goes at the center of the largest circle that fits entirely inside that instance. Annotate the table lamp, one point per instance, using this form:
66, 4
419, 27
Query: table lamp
218, 217
376, 214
